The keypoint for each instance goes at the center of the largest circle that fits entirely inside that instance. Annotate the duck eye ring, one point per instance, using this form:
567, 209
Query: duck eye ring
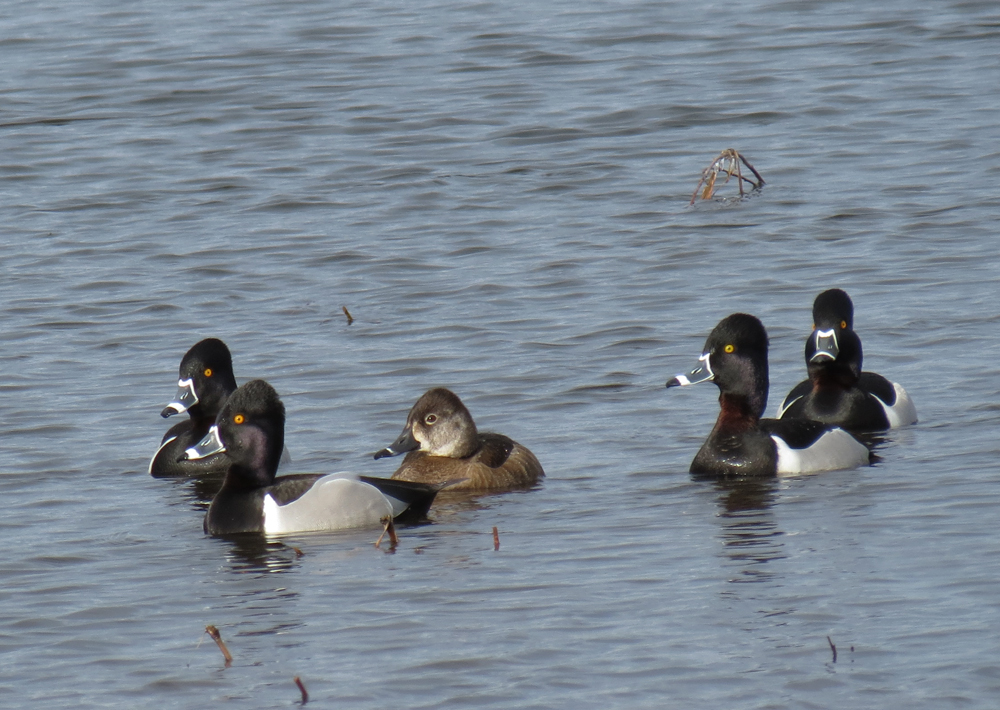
843, 325
730, 348
430, 418
239, 419
208, 372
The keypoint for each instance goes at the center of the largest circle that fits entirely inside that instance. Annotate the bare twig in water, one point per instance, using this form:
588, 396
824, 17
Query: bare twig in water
298, 552
832, 648
389, 528
302, 689
217, 637
496, 538
348, 314
728, 162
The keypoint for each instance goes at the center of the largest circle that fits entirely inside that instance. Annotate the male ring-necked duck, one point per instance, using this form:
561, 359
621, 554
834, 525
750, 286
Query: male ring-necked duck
742, 444
250, 430
837, 391
206, 381
444, 444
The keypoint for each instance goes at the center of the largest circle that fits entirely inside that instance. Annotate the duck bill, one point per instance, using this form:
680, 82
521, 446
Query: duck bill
183, 400
211, 444
701, 373
401, 445
826, 344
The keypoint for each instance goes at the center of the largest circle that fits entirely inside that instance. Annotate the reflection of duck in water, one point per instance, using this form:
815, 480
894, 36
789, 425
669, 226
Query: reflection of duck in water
837, 391
443, 444
742, 444
748, 527
250, 429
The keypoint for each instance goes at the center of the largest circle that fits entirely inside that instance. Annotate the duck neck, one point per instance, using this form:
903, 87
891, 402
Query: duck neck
831, 376
200, 420
739, 413
240, 478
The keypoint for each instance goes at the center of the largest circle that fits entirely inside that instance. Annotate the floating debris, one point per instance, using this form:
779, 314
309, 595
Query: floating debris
496, 539
302, 689
348, 314
217, 637
833, 648
391, 530
727, 162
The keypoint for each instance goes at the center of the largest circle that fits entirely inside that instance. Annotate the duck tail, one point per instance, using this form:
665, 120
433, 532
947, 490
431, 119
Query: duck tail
410, 501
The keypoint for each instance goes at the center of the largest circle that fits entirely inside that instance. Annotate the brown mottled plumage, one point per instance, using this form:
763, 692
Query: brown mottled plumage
444, 444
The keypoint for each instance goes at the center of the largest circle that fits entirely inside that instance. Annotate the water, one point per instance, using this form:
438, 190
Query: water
498, 194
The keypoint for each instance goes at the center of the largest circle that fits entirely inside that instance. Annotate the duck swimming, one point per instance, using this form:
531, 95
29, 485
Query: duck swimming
206, 381
742, 444
250, 430
837, 391
442, 443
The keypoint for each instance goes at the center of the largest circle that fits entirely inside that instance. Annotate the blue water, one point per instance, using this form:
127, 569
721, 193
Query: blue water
498, 193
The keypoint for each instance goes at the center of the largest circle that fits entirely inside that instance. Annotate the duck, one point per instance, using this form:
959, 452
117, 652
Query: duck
838, 391
250, 432
743, 444
441, 443
206, 381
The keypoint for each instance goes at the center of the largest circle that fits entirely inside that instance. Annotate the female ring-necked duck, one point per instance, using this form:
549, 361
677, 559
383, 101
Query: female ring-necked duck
742, 444
444, 444
837, 391
250, 430
206, 381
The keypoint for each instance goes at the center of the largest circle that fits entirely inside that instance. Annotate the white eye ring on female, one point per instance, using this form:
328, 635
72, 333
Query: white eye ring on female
430, 419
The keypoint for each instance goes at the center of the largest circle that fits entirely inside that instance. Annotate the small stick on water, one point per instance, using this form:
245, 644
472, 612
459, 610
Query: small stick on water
496, 539
217, 637
298, 552
348, 314
389, 528
832, 648
302, 689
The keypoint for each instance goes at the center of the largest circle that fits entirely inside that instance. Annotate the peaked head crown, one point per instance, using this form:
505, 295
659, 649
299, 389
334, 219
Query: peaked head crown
251, 425
737, 351
208, 366
833, 351
206, 380
255, 400
741, 330
831, 308
443, 425
210, 352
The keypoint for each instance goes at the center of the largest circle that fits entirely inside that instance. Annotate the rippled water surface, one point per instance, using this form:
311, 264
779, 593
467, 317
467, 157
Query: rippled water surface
498, 193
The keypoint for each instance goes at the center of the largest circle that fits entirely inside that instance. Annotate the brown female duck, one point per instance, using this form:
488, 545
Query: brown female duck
442, 443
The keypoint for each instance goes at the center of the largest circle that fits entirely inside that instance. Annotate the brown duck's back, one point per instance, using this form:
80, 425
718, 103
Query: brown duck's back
500, 463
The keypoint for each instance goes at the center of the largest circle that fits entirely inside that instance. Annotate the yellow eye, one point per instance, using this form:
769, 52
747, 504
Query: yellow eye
730, 348
843, 325
208, 372
239, 419
430, 418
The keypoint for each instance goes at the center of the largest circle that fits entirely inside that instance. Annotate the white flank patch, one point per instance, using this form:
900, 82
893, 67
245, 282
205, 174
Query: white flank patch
835, 450
903, 412
150, 470
333, 503
785, 406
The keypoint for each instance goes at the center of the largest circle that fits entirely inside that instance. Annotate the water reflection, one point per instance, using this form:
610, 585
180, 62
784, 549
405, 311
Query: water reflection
200, 490
750, 534
250, 553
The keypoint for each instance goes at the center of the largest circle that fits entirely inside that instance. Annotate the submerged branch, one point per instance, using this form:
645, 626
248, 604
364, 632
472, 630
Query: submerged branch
728, 163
